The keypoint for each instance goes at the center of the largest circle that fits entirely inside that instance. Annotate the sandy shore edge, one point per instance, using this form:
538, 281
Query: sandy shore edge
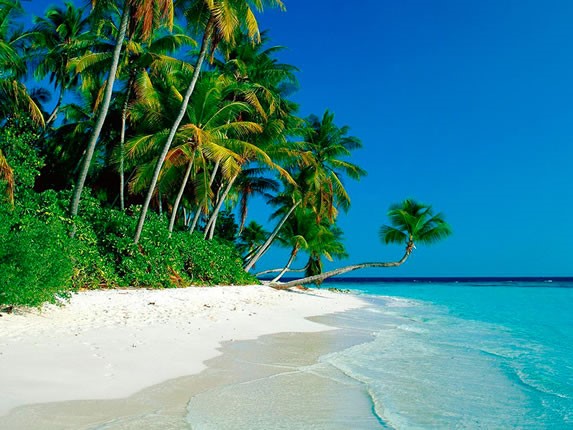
109, 344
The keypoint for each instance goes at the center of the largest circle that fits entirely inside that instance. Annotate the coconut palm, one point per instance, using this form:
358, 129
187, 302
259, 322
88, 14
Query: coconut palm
411, 223
218, 20
150, 56
252, 182
324, 166
14, 96
148, 14
252, 236
325, 242
56, 39
209, 131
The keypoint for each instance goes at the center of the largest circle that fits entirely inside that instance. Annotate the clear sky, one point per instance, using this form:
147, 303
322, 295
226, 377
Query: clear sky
466, 105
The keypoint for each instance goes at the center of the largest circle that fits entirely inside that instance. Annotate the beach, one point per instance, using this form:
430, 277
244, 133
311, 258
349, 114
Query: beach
112, 344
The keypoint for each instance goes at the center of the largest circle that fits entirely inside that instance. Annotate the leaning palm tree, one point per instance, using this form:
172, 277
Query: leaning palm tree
320, 171
412, 223
218, 20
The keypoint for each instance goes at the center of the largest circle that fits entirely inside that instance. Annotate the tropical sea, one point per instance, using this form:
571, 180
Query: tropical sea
440, 353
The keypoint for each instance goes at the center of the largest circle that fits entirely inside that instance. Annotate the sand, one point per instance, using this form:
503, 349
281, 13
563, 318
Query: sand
111, 344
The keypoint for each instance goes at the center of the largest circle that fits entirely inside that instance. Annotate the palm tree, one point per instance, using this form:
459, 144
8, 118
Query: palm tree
412, 223
325, 242
320, 168
252, 182
14, 96
219, 20
210, 131
252, 236
323, 155
143, 60
149, 14
56, 41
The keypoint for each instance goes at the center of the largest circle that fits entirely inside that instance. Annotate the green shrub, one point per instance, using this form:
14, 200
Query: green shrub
35, 265
214, 262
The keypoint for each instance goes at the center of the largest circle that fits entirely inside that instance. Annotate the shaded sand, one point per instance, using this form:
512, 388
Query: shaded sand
112, 344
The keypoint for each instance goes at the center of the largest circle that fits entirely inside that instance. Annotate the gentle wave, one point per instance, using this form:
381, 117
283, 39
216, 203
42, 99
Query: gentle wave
464, 357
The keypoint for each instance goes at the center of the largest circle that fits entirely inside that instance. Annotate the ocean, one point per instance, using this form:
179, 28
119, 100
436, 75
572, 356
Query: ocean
434, 354
465, 353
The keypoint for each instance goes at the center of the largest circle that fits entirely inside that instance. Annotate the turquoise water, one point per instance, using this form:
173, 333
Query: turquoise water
465, 355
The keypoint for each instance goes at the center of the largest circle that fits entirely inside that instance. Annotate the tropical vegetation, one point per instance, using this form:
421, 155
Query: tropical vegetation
135, 133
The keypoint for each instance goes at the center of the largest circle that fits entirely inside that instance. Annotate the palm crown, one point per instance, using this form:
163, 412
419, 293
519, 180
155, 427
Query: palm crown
414, 222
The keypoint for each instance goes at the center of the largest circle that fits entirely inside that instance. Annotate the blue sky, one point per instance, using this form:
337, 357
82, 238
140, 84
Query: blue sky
464, 105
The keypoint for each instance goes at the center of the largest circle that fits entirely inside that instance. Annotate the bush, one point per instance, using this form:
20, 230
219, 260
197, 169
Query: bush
35, 264
215, 262
40, 263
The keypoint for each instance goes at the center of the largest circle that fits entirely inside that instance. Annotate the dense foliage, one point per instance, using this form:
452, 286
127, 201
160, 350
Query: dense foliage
136, 164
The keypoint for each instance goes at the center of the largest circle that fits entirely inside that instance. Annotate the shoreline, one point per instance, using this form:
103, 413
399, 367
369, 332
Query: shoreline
111, 344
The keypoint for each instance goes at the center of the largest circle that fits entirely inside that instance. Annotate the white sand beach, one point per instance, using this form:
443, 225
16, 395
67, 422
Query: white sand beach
109, 344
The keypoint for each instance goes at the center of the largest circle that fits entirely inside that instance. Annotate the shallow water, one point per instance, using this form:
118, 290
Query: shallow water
440, 355
467, 355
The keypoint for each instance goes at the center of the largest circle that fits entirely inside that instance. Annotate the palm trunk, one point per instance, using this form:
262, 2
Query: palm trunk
173, 131
264, 272
54, 113
75, 203
180, 193
340, 271
265, 246
210, 228
198, 213
195, 220
121, 146
289, 262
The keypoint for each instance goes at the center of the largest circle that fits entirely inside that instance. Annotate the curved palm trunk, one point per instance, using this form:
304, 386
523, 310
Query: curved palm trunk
54, 113
210, 228
173, 131
75, 203
265, 246
340, 271
289, 262
198, 213
180, 193
264, 272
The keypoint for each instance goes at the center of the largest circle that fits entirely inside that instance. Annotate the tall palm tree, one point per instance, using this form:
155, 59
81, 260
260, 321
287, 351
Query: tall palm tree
149, 14
210, 131
218, 20
324, 166
412, 223
141, 59
320, 169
